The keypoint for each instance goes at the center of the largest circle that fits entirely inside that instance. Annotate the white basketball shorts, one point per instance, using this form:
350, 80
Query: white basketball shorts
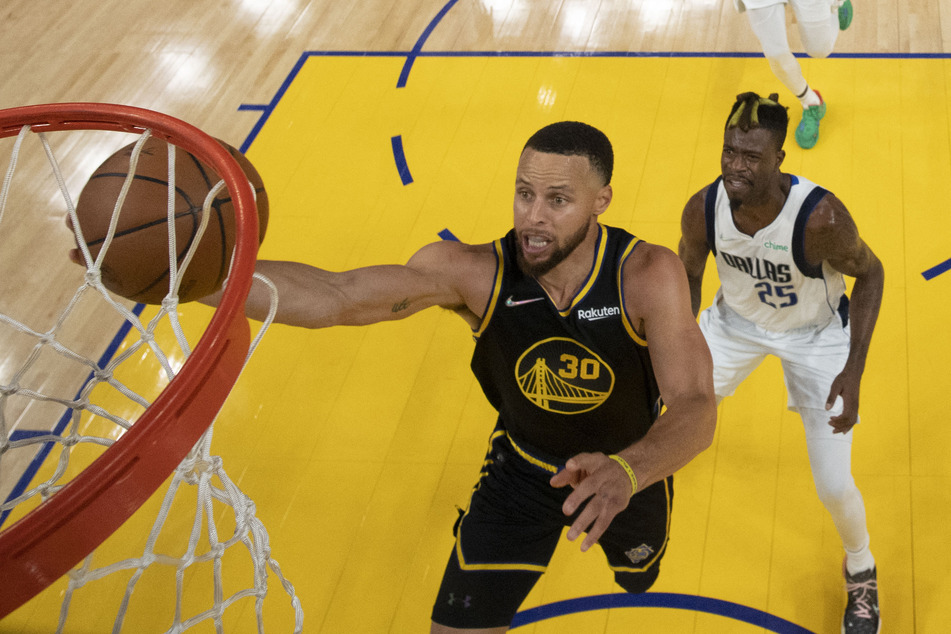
811, 357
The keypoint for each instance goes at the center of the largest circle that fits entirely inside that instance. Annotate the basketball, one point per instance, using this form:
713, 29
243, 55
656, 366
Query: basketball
136, 264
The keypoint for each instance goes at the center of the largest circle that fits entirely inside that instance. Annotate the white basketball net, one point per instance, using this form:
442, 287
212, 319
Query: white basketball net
101, 401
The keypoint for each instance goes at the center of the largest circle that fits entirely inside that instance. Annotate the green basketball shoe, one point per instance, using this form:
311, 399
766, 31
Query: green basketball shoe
845, 15
808, 131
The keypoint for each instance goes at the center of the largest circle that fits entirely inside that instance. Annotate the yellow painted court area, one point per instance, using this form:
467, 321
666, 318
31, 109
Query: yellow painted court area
358, 444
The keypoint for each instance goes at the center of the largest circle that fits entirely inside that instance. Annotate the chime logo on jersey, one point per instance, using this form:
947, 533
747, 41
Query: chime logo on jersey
560, 375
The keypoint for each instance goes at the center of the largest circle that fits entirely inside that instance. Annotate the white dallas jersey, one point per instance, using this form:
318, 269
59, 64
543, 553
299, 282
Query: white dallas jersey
765, 278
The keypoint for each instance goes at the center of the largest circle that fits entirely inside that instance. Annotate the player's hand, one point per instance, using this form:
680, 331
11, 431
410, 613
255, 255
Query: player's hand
594, 476
846, 385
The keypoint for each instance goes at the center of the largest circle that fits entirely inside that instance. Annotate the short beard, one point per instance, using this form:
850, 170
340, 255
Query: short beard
557, 257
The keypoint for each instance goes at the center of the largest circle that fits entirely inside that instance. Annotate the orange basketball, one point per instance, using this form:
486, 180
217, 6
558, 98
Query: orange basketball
136, 265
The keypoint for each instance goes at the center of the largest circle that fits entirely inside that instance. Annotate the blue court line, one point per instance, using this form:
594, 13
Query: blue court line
659, 600
397, 141
400, 158
411, 56
446, 234
935, 271
19, 434
418, 47
40, 457
268, 109
613, 54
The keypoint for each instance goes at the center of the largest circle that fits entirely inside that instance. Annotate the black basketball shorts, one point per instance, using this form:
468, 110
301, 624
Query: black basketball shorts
506, 538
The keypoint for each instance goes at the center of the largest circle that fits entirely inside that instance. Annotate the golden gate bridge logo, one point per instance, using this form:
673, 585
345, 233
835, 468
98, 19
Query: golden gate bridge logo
561, 375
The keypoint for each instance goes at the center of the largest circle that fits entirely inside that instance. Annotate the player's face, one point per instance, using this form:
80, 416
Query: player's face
557, 201
750, 164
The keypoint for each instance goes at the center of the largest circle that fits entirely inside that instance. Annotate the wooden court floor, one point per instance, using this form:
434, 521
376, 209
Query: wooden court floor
358, 444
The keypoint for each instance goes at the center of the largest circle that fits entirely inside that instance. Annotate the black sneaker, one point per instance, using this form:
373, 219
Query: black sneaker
861, 613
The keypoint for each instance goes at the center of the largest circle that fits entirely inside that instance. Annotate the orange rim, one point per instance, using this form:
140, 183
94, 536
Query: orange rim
50, 540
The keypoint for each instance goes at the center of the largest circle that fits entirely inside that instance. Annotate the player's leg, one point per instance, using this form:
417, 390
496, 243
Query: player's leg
636, 540
830, 459
769, 25
818, 30
810, 364
809, 367
818, 26
732, 345
504, 542
477, 600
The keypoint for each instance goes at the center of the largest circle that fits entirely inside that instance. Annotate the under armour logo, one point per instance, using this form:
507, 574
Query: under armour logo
453, 600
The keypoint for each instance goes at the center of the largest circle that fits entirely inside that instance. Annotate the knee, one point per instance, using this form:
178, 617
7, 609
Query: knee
819, 51
837, 494
637, 582
820, 40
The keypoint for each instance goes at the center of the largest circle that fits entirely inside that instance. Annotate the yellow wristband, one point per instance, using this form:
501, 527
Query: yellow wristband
627, 468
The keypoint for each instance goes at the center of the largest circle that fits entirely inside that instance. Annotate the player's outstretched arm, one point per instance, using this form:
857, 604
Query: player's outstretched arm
658, 301
833, 237
445, 274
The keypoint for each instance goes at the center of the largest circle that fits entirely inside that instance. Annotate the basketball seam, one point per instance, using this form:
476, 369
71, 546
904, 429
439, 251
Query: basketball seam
223, 260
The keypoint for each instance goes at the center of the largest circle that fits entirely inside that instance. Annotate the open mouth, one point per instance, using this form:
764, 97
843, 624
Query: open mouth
535, 244
735, 182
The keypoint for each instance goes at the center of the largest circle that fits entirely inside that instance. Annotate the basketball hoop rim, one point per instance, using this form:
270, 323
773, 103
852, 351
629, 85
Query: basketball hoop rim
50, 540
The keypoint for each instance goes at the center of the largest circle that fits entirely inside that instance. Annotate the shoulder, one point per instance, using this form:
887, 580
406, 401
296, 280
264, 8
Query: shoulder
467, 271
696, 204
648, 261
456, 263
650, 273
693, 221
830, 229
654, 286
439, 254
694, 213
827, 212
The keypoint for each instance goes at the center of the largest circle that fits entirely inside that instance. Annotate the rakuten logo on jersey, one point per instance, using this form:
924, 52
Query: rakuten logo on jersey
593, 314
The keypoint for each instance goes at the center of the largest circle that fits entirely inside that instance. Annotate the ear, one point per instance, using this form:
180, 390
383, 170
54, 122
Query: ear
780, 156
603, 199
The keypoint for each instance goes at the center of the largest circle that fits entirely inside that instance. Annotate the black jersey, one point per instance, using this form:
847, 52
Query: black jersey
566, 381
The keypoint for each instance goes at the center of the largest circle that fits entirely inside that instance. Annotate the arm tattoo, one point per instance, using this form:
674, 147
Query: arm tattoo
401, 306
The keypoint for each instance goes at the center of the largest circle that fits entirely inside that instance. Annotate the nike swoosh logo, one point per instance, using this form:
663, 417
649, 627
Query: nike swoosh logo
518, 302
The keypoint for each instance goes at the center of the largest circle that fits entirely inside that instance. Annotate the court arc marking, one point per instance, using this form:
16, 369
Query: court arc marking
659, 600
398, 155
401, 167
418, 47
